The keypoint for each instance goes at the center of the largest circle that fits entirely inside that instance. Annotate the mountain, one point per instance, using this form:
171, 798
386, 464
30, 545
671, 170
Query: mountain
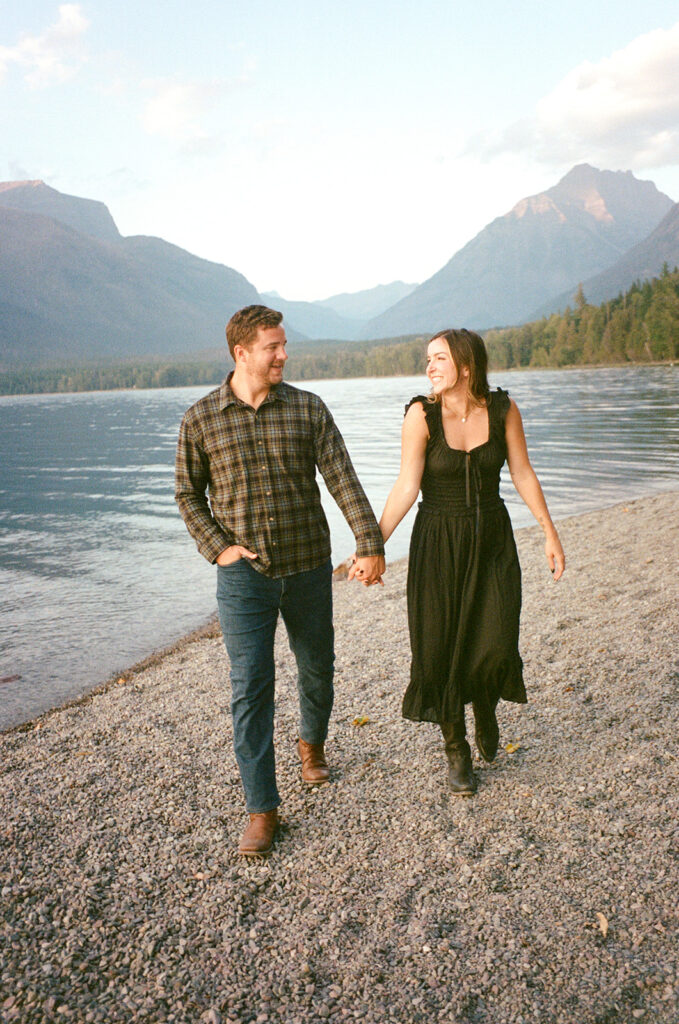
544, 246
71, 287
313, 320
341, 316
640, 263
87, 216
369, 303
86, 292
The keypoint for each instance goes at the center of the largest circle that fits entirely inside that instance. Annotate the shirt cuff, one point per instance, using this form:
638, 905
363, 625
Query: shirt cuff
213, 547
369, 548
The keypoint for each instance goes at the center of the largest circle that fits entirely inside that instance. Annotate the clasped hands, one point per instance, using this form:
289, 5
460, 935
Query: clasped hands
368, 569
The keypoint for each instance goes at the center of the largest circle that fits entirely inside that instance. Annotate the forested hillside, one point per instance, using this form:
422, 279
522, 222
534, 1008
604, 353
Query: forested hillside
641, 326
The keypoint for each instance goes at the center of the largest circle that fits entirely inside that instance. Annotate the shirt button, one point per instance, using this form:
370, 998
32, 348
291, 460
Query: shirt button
268, 494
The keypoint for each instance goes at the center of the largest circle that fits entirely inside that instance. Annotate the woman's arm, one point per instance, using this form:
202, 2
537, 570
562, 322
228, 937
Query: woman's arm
403, 495
528, 486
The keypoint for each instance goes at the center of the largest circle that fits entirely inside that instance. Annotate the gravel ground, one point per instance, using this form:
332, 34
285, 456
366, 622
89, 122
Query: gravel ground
550, 896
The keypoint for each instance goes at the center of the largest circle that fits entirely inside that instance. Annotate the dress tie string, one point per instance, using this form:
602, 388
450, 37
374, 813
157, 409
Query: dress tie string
472, 475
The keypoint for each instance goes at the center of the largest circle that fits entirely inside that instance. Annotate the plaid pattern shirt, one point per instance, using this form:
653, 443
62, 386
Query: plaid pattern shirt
259, 469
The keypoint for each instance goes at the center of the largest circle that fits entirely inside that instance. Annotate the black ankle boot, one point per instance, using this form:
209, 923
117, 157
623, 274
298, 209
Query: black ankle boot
486, 732
461, 778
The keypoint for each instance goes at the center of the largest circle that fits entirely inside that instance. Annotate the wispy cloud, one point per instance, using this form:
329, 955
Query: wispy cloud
176, 109
17, 171
55, 55
622, 111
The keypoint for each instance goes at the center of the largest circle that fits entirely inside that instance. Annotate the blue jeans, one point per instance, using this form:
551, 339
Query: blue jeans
248, 605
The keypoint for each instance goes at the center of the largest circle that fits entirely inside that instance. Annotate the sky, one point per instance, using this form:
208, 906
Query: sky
322, 147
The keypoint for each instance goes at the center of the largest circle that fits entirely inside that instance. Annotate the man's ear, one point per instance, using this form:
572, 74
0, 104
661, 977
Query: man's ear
239, 353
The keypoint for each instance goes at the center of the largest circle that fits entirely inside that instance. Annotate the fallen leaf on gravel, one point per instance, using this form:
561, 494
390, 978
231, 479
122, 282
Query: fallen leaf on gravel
83, 753
511, 748
648, 560
200, 876
10, 679
122, 680
361, 720
603, 924
568, 689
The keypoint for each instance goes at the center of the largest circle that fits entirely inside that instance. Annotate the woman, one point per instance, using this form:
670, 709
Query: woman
464, 580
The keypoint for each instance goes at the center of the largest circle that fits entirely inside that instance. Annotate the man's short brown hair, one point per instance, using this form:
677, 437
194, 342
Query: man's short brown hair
243, 326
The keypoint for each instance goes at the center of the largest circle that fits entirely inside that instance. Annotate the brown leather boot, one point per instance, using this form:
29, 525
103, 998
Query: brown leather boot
257, 839
315, 769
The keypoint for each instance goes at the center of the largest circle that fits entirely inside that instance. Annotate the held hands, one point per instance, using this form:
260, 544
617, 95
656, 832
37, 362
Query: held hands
555, 556
234, 554
368, 570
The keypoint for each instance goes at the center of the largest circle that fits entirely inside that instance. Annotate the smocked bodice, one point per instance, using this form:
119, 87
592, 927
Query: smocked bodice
457, 481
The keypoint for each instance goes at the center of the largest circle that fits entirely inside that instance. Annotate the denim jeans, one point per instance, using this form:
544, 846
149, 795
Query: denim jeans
248, 605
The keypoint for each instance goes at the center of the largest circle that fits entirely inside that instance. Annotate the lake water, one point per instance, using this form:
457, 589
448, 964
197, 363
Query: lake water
97, 569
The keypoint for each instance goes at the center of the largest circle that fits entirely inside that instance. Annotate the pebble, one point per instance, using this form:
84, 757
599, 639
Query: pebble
386, 899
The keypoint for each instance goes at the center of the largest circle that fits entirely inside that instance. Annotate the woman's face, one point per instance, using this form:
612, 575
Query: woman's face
441, 369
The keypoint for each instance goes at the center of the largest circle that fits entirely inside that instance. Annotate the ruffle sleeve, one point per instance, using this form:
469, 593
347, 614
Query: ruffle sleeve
430, 412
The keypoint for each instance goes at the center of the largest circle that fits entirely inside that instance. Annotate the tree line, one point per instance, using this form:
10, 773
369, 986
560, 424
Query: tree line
640, 326
111, 377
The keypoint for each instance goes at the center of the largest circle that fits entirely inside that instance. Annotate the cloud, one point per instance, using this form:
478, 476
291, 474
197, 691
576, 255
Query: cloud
18, 172
52, 57
620, 112
176, 109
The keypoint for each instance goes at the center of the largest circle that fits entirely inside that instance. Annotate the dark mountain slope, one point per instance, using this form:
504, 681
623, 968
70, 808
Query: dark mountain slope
640, 263
66, 295
546, 244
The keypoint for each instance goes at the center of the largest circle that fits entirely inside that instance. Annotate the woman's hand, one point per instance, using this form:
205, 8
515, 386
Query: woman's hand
527, 484
234, 554
367, 570
555, 556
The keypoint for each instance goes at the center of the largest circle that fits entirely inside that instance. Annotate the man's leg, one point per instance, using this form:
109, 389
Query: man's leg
248, 610
306, 607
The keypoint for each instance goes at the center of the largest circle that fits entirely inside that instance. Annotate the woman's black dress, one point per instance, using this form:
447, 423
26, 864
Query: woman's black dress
464, 579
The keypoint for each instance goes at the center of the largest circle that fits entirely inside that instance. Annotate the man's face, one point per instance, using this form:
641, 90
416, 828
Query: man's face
264, 360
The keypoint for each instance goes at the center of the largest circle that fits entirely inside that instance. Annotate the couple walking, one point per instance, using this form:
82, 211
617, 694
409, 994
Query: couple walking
245, 485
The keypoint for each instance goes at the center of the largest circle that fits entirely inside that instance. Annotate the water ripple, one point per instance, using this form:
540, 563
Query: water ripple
96, 567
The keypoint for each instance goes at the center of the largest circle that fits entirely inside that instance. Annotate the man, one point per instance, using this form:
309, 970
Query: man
254, 445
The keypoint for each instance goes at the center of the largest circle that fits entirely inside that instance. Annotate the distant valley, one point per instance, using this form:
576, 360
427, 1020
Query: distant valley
72, 289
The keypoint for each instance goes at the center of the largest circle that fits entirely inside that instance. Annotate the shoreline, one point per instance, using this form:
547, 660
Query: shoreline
550, 895
156, 657
210, 629
310, 380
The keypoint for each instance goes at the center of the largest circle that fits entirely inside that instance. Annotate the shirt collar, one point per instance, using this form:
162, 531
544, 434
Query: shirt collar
277, 392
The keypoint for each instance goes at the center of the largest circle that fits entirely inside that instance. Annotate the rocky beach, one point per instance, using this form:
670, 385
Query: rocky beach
548, 897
